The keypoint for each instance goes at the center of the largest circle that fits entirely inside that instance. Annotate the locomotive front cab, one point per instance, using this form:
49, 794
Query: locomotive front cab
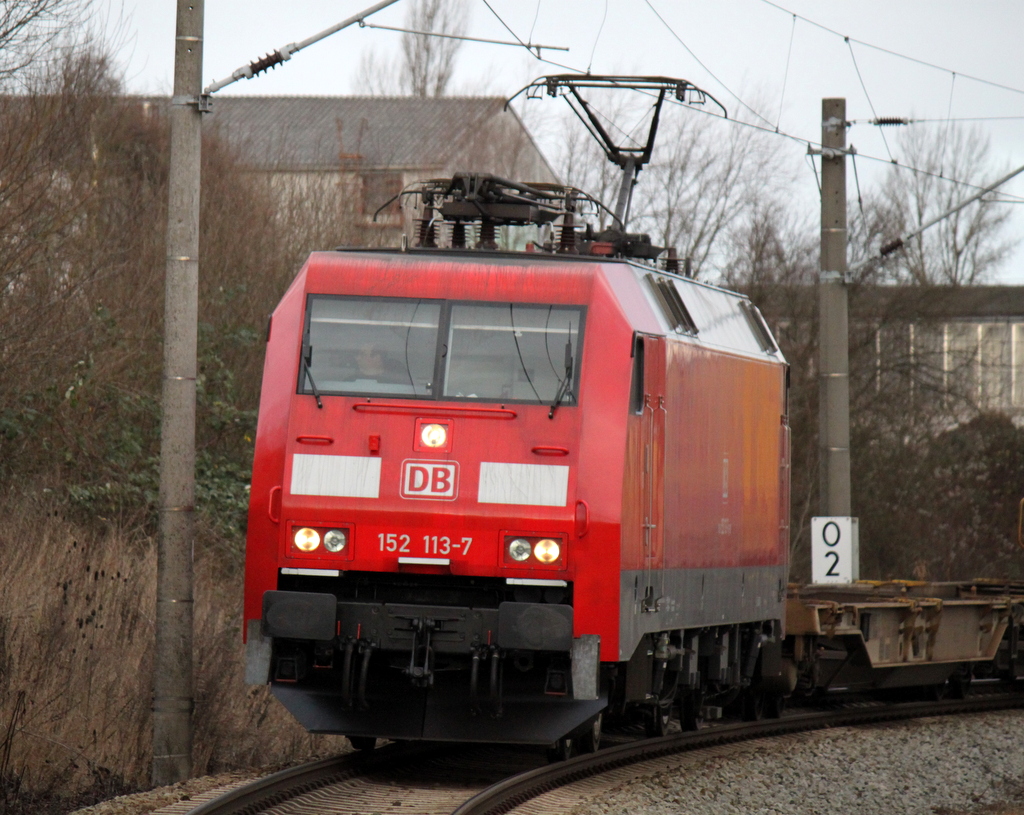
418, 571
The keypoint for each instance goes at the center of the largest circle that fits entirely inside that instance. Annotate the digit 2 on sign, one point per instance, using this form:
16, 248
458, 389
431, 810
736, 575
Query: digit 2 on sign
834, 549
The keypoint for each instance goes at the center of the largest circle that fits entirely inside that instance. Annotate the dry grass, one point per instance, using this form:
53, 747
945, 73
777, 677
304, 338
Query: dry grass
76, 642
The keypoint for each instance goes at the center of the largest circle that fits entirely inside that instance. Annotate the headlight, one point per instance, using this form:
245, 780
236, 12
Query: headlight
519, 549
335, 540
433, 435
307, 539
547, 550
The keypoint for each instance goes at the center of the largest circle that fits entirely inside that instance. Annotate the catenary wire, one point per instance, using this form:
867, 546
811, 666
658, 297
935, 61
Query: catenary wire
949, 123
867, 95
597, 39
772, 128
536, 16
671, 31
814, 167
894, 53
785, 77
812, 143
856, 178
526, 46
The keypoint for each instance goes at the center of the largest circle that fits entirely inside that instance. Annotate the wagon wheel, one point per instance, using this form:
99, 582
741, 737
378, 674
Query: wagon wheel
362, 742
753, 704
935, 693
689, 710
590, 741
562, 750
960, 682
774, 705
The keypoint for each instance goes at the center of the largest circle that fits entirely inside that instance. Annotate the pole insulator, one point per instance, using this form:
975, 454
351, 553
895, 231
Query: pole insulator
891, 247
271, 60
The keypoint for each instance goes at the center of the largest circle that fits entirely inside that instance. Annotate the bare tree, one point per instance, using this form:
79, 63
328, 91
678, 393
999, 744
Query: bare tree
29, 28
427, 63
705, 184
965, 248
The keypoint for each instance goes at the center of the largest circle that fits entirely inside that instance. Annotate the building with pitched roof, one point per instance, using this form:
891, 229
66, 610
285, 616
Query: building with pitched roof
358, 153
960, 346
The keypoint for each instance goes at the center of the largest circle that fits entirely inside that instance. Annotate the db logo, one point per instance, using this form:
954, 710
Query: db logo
430, 479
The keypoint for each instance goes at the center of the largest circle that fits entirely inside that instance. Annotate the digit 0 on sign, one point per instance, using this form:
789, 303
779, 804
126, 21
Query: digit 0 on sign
834, 550
831, 534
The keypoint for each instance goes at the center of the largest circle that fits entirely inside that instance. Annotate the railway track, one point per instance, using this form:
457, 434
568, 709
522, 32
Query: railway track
488, 780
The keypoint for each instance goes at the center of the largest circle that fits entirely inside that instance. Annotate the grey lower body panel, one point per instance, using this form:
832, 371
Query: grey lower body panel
697, 598
396, 710
438, 673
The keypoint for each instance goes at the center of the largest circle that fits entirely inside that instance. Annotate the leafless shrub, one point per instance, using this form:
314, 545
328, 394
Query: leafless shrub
76, 654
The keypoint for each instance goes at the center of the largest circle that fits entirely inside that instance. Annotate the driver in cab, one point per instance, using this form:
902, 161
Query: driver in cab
371, 364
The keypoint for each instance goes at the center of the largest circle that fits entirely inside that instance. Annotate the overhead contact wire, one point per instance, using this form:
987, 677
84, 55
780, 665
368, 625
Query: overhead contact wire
894, 53
527, 46
679, 39
812, 143
949, 125
773, 128
597, 39
536, 16
871, 104
785, 76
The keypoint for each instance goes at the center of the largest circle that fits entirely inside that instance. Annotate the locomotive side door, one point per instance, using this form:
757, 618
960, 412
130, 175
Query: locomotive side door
651, 399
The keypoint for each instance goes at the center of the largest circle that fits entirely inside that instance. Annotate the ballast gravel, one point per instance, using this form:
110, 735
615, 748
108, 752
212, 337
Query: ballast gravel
936, 766
968, 765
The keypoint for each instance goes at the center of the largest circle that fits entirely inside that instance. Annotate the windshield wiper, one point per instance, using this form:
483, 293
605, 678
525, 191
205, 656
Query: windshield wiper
564, 387
307, 360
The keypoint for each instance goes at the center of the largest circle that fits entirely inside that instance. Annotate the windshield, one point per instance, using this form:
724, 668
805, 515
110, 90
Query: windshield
504, 352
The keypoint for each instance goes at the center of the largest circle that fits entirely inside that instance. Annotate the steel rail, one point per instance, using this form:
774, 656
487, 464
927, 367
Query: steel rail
281, 786
509, 793
516, 790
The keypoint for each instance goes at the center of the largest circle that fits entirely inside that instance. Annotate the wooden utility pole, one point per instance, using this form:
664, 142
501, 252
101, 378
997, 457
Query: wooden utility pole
173, 698
834, 335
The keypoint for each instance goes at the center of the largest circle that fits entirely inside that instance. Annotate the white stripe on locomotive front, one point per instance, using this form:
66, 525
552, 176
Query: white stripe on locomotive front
500, 482
337, 476
524, 484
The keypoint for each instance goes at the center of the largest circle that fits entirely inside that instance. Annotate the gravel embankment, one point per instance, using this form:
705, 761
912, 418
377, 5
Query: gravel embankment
940, 765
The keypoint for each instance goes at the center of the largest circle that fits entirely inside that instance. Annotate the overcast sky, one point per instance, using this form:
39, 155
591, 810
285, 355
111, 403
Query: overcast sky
752, 49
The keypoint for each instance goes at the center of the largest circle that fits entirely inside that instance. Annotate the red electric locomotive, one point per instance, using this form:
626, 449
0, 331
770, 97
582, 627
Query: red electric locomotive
497, 494
494, 493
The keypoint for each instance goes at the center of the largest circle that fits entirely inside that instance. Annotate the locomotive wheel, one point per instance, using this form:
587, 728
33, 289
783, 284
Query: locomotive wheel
562, 750
362, 743
658, 717
753, 705
689, 710
590, 742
